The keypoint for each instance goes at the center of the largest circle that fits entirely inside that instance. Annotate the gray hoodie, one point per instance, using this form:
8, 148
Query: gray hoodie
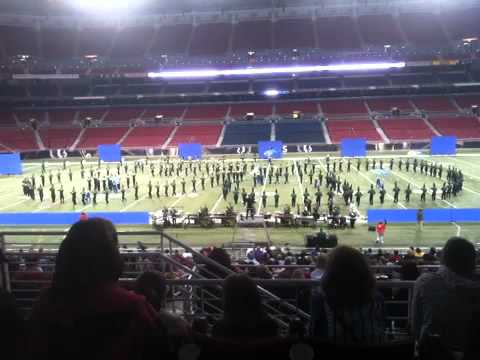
443, 304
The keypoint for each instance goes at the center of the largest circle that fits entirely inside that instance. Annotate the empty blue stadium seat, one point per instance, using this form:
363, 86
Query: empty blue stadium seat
247, 132
300, 131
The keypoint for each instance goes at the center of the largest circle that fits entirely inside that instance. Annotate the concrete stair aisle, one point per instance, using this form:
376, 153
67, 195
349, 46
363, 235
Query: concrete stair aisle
430, 125
39, 140
170, 137
78, 139
380, 132
122, 139
222, 135
273, 129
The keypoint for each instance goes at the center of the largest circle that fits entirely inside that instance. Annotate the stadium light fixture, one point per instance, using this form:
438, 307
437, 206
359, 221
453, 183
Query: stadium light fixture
211, 73
94, 5
271, 92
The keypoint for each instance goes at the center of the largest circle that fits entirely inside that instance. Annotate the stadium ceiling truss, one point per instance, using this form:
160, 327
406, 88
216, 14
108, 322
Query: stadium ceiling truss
325, 8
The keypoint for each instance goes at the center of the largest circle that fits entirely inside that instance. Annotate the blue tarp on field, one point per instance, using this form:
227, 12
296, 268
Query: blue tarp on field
430, 215
68, 218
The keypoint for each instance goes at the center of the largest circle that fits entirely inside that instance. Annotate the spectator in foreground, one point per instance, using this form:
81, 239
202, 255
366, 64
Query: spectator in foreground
14, 330
152, 286
244, 316
446, 302
347, 310
85, 313
321, 264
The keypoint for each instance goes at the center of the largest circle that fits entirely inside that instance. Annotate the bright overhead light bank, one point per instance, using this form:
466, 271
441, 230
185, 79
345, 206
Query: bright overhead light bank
102, 4
209, 73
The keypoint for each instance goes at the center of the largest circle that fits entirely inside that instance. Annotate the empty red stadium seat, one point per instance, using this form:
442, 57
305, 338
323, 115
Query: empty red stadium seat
379, 30
58, 138
253, 35
305, 107
341, 129
337, 33
95, 41
132, 42
461, 23
259, 109
434, 104
58, 43
293, 34
211, 39
422, 28
171, 39
386, 104
93, 113
147, 137
26, 115
123, 115
335, 107
61, 116
7, 119
466, 102
461, 126
166, 111
97, 136
406, 129
203, 134
19, 40
17, 139
206, 112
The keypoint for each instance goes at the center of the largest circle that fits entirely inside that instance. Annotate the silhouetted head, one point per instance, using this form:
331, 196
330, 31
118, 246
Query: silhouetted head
459, 256
151, 284
242, 302
409, 271
348, 280
88, 257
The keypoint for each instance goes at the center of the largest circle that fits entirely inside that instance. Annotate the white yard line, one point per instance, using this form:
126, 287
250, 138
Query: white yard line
263, 189
42, 207
371, 182
470, 190
298, 178
459, 228
418, 187
214, 208
85, 207
133, 204
14, 204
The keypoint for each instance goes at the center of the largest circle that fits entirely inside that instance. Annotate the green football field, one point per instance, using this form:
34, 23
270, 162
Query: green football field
13, 200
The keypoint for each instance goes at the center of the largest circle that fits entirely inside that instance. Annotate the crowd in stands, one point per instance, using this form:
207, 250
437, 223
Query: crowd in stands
85, 312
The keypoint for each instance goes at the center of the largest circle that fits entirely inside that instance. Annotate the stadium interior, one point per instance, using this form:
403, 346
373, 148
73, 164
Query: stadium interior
153, 75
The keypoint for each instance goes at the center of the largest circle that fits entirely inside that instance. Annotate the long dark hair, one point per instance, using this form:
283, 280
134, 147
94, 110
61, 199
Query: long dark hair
348, 281
151, 284
87, 258
242, 302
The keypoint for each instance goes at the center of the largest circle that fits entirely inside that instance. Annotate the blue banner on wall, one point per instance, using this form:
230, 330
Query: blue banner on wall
270, 149
443, 145
354, 147
190, 151
69, 218
10, 164
110, 152
430, 215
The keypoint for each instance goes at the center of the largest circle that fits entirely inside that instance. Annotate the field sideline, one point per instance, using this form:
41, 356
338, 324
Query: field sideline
12, 200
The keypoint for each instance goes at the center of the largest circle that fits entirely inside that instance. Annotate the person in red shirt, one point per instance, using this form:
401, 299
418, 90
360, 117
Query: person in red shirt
85, 313
381, 226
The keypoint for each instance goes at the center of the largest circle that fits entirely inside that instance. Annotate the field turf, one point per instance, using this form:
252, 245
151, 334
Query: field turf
12, 200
